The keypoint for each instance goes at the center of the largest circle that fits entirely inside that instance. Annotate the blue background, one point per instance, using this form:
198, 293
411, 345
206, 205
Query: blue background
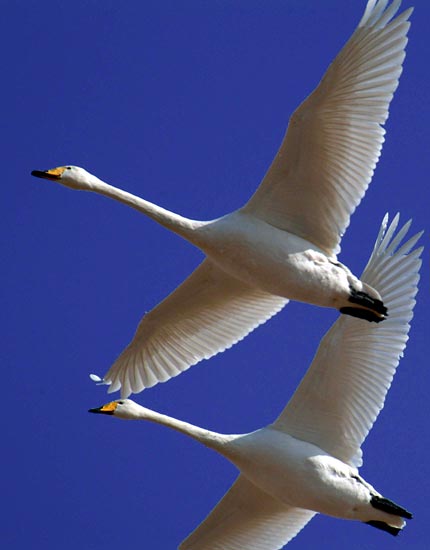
184, 103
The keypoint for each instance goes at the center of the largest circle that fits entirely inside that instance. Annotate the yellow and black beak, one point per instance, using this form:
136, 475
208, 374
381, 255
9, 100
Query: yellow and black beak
53, 174
109, 408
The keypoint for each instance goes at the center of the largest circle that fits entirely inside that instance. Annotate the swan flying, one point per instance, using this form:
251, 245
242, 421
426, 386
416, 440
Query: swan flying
307, 461
283, 243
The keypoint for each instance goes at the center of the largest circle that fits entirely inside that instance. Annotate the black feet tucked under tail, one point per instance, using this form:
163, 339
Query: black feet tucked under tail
381, 503
390, 507
384, 527
375, 310
362, 314
364, 299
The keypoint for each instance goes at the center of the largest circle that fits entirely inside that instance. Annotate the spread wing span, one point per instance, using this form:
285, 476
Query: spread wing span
334, 138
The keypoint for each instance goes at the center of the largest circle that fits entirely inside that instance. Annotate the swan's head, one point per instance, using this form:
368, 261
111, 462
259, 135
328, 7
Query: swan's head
70, 176
123, 408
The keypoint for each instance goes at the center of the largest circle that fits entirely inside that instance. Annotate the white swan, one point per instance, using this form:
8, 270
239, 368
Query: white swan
283, 243
307, 460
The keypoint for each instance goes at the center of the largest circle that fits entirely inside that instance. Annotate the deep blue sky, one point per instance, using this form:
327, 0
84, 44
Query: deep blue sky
184, 103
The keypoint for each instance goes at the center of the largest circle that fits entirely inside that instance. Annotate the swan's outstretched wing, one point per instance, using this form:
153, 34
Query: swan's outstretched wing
334, 138
344, 389
247, 518
205, 315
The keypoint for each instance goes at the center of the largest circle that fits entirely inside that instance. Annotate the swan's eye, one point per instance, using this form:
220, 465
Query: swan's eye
120, 402
68, 168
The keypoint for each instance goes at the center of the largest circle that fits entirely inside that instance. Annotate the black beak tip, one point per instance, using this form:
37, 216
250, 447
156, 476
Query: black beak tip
99, 410
37, 173
44, 175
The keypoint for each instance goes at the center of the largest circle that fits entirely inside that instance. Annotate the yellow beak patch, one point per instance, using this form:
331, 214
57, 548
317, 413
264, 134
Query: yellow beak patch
56, 171
109, 407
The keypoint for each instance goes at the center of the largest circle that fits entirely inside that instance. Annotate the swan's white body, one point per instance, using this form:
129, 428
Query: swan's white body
307, 461
283, 243
276, 261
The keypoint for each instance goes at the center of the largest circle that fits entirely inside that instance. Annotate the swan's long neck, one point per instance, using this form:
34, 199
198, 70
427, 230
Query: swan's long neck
184, 227
218, 442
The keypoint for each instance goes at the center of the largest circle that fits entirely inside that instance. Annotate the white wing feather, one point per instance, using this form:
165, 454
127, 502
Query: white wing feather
247, 518
344, 389
334, 138
208, 313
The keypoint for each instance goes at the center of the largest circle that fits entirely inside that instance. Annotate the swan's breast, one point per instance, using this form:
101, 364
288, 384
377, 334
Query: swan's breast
281, 465
298, 473
271, 259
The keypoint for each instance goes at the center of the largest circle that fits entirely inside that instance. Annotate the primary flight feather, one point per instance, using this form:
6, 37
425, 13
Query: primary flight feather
283, 243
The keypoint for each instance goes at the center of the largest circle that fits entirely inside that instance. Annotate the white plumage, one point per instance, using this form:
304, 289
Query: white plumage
307, 460
283, 243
